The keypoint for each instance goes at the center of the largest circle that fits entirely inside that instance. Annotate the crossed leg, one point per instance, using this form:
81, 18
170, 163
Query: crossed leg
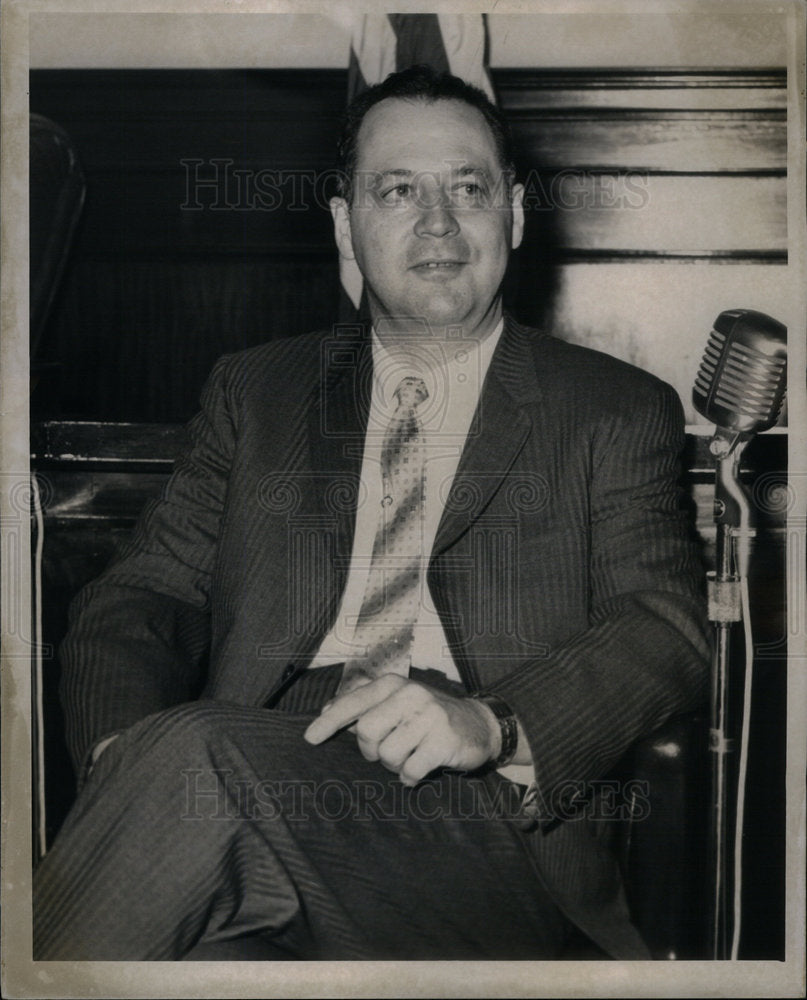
211, 821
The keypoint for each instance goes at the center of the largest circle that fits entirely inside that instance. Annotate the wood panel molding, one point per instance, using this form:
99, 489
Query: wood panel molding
157, 266
198, 161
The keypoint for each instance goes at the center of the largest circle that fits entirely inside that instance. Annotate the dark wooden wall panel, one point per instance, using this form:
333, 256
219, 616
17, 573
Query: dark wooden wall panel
625, 166
140, 336
656, 140
670, 214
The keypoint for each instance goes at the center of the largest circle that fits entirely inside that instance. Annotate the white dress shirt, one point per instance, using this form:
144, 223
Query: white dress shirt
453, 371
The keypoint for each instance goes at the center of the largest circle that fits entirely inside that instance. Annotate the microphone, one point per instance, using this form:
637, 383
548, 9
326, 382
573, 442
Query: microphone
740, 385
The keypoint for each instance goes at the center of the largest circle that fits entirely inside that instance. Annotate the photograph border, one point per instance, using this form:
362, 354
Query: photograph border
23, 978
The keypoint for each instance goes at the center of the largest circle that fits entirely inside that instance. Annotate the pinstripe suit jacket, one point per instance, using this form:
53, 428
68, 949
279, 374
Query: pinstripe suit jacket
562, 569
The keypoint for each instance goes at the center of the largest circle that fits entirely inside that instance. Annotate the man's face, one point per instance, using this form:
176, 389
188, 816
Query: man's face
431, 224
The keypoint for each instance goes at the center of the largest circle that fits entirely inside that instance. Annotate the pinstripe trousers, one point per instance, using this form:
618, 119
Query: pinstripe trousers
210, 822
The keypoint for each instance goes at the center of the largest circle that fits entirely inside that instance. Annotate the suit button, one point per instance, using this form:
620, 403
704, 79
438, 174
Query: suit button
289, 671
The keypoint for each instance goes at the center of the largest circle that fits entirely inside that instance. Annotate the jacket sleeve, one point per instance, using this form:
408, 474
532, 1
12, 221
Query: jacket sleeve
138, 634
645, 653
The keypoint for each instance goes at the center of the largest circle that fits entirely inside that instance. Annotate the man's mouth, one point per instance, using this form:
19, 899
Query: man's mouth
438, 265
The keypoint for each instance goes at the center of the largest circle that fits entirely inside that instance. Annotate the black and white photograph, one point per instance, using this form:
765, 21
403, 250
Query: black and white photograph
404, 476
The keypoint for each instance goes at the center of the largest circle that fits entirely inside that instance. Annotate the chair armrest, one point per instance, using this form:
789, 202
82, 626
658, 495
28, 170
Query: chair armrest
662, 848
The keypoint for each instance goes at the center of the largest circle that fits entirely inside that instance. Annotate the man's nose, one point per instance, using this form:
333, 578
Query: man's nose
436, 217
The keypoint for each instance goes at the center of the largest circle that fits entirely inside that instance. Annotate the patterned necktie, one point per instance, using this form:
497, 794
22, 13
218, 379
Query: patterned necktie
385, 625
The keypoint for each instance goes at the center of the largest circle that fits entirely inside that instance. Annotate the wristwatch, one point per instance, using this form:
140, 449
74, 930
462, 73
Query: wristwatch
507, 725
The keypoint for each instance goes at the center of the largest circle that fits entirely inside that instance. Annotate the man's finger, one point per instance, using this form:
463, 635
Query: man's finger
428, 756
399, 743
348, 708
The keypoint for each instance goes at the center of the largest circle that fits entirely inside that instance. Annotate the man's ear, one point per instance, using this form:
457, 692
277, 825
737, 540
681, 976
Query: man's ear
517, 207
340, 214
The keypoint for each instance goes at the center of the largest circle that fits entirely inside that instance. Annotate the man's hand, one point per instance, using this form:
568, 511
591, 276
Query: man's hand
412, 728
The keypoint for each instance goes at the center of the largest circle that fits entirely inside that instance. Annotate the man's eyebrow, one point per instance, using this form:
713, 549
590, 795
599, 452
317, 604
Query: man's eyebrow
464, 171
396, 172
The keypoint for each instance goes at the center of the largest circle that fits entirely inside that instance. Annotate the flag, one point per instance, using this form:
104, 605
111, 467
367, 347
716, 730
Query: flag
387, 43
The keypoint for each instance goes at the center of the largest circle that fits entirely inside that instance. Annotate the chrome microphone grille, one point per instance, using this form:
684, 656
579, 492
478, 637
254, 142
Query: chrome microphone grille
740, 384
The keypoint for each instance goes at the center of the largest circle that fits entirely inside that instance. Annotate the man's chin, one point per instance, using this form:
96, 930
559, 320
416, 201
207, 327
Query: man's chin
461, 322
433, 315
422, 327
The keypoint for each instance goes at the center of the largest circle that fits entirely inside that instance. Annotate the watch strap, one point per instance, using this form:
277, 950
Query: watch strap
507, 725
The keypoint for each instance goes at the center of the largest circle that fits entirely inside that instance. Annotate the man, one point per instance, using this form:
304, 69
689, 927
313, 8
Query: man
428, 567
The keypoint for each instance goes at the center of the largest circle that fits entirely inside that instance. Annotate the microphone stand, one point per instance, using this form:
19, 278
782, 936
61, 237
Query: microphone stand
732, 517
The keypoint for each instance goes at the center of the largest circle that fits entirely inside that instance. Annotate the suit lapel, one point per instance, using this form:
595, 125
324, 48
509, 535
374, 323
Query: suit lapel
499, 430
337, 420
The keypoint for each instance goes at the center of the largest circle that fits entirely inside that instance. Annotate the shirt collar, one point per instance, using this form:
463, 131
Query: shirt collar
457, 364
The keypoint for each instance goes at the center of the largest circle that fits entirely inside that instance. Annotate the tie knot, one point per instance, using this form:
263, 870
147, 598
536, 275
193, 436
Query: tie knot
411, 392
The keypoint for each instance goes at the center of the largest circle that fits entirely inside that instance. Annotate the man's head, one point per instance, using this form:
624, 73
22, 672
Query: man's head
419, 83
429, 210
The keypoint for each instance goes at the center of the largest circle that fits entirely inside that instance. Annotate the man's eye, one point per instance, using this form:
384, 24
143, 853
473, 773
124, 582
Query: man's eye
469, 193
397, 194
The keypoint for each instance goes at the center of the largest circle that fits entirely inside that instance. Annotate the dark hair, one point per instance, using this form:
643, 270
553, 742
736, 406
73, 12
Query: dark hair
425, 84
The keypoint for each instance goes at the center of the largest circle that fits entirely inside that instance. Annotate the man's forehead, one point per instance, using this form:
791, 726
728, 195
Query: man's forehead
420, 128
